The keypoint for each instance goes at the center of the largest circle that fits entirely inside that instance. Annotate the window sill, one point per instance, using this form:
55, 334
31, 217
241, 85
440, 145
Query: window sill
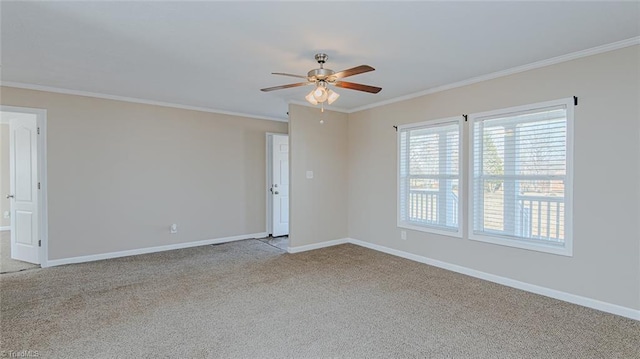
433, 230
565, 250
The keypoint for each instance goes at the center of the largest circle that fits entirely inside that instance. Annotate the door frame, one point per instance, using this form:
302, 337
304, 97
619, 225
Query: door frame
269, 176
41, 144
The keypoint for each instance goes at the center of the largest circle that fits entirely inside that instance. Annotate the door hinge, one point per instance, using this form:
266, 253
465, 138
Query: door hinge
38, 130
38, 185
39, 243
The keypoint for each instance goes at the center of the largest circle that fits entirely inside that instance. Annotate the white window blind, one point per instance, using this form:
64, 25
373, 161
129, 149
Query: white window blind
429, 176
520, 181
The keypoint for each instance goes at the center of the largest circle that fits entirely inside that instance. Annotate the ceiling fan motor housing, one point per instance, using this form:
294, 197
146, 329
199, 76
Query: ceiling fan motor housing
321, 75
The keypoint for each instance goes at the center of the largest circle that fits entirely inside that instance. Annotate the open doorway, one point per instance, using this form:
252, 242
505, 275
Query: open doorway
23, 183
277, 190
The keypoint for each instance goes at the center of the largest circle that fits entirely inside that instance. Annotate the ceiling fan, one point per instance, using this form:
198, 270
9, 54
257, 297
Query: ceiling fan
323, 78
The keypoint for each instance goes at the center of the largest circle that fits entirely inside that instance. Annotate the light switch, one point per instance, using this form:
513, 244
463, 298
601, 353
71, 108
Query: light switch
309, 174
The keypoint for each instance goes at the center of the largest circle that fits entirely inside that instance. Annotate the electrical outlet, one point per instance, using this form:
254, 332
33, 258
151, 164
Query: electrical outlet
403, 235
173, 229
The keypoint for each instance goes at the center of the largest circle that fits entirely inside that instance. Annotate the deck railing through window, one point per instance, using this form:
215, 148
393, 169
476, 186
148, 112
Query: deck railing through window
541, 217
538, 217
423, 206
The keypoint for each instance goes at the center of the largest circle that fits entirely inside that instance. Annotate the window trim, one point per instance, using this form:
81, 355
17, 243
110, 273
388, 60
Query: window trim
567, 249
461, 187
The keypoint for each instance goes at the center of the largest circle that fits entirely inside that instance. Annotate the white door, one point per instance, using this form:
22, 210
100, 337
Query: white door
280, 185
24, 188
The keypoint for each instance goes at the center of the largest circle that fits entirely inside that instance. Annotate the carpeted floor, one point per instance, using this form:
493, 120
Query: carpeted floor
7, 264
248, 299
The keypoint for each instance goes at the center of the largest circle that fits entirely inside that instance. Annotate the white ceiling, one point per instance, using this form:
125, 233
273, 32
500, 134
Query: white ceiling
217, 55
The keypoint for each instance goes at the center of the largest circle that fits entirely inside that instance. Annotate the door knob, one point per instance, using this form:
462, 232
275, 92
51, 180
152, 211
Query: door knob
9, 196
276, 192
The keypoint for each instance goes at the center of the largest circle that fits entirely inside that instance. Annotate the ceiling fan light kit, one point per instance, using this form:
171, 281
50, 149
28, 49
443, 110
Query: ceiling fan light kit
332, 96
311, 99
320, 93
323, 78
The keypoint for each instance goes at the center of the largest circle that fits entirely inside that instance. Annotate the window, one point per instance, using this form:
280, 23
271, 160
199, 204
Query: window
429, 176
520, 178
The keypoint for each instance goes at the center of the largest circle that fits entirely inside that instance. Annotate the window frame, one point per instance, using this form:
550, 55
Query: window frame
458, 233
519, 242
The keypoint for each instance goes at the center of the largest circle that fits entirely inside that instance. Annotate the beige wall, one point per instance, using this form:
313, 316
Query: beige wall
120, 173
4, 174
606, 261
318, 206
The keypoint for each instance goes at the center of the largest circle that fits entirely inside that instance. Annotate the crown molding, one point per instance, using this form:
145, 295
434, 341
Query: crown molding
135, 100
534, 65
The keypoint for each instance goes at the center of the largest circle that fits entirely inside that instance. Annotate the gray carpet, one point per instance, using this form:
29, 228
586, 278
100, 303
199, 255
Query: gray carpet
7, 264
250, 300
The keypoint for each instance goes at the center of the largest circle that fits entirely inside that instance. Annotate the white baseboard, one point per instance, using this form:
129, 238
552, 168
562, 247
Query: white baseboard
310, 247
5, 228
133, 252
564, 296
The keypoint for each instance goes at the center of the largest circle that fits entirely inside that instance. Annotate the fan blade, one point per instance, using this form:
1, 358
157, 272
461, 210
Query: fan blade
290, 75
359, 87
353, 71
286, 86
